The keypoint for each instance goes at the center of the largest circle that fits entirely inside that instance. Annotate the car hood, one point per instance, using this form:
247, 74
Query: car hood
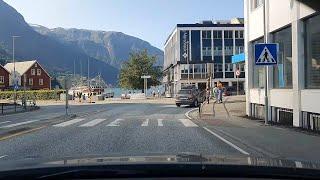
160, 159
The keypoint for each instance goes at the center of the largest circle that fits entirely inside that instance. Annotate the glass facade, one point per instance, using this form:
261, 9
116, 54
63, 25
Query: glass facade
312, 53
282, 72
258, 71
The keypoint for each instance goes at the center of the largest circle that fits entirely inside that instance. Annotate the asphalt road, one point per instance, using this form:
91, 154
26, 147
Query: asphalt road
116, 130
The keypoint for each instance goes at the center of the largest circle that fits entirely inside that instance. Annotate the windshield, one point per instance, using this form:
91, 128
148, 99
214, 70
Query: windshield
117, 78
184, 92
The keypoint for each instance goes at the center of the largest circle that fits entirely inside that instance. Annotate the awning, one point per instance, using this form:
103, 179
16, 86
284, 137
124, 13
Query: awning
238, 58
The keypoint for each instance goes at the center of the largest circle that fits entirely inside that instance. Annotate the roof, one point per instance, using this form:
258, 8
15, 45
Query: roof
210, 25
21, 67
1, 67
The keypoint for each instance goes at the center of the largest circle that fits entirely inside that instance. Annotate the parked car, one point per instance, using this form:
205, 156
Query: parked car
190, 96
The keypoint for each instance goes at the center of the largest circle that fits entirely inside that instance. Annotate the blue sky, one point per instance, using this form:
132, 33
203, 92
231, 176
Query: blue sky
150, 20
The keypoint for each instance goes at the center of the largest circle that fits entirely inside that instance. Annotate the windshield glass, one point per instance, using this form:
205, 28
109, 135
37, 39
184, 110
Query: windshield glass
184, 92
177, 79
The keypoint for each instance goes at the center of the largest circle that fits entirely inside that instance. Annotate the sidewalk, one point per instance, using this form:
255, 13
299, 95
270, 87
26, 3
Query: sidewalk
228, 120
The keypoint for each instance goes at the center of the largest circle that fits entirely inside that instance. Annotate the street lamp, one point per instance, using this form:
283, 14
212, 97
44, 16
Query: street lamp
14, 69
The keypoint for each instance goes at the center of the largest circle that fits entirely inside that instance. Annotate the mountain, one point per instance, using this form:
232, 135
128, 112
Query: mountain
108, 46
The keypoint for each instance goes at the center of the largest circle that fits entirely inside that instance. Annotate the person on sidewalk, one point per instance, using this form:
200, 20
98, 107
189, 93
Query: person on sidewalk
220, 89
208, 95
216, 93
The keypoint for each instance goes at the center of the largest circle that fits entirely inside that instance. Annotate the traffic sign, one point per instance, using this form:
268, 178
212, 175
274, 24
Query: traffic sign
145, 77
266, 54
16, 87
238, 72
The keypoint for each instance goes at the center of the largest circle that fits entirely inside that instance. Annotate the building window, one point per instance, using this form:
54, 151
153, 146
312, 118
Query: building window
228, 50
238, 34
228, 35
217, 34
217, 51
228, 67
239, 49
38, 72
256, 3
217, 67
197, 69
30, 81
206, 51
282, 72
40, 82
258, 71
1, 79
33, 72
312, 52
204, 68
206, 34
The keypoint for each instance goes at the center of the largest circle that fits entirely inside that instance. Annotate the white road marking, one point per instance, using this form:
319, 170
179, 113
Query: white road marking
18, 124
115, 122
160, 122
226, 141
145, 122
187, 113
298, 164
92, 123
3, 156
67, 123
188, 123
4, 122
169, 106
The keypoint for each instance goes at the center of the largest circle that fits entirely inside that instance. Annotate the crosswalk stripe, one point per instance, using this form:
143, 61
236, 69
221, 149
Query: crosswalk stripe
67, 123
115, 122
92, 123
18, 124
4, 122
160, 122
188, 123
145, 123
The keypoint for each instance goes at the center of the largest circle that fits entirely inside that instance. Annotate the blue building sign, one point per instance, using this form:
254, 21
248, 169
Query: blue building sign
266, 54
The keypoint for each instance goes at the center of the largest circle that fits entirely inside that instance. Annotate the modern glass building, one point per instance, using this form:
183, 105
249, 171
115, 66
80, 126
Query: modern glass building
201, 54
294, 83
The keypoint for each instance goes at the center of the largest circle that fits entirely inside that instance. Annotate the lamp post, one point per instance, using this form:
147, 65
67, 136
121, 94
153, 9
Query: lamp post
14, 69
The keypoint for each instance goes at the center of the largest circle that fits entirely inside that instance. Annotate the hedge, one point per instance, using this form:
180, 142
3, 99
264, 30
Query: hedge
32, 94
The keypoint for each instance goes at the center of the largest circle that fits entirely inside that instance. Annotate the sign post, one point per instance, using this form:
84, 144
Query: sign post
145, 78
265, 55
238, 74
67, 87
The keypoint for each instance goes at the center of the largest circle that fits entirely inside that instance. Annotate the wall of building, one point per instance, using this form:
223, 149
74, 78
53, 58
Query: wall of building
5, 74
280, 14
36, 77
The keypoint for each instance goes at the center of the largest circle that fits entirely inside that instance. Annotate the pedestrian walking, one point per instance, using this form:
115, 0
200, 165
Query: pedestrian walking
220, 89
158, 93
208, 95
216, 93
154, 93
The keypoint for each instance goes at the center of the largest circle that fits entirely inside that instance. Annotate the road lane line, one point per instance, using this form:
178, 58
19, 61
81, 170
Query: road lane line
145, 122
21, 133
160, 123
92, 123
67, 123
115, 123
3, 156
226, 141
18, 124
188, 112
4, 122
188, 123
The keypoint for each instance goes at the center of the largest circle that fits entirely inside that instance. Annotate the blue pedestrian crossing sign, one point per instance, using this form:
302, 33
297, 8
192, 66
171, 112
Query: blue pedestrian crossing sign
266, 54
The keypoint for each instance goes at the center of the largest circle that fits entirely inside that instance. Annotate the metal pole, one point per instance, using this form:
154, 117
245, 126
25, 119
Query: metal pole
237, 85
14, 72
266, 107
66, 88
188, 62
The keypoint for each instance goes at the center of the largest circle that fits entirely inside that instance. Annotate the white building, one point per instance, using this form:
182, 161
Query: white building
200, 52
294, 84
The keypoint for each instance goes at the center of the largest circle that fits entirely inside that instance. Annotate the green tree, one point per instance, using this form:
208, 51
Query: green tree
139, 64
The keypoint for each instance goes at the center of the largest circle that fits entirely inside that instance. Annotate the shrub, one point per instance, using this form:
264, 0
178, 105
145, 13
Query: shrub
32, 94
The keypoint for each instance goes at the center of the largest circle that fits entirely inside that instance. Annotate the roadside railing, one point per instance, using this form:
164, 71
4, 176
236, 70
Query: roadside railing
19, 106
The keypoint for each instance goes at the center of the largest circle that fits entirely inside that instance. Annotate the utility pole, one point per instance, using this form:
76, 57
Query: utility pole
188, 62
14, 69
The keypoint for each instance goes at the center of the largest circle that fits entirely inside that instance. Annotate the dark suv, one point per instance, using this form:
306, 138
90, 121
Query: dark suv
189, 97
